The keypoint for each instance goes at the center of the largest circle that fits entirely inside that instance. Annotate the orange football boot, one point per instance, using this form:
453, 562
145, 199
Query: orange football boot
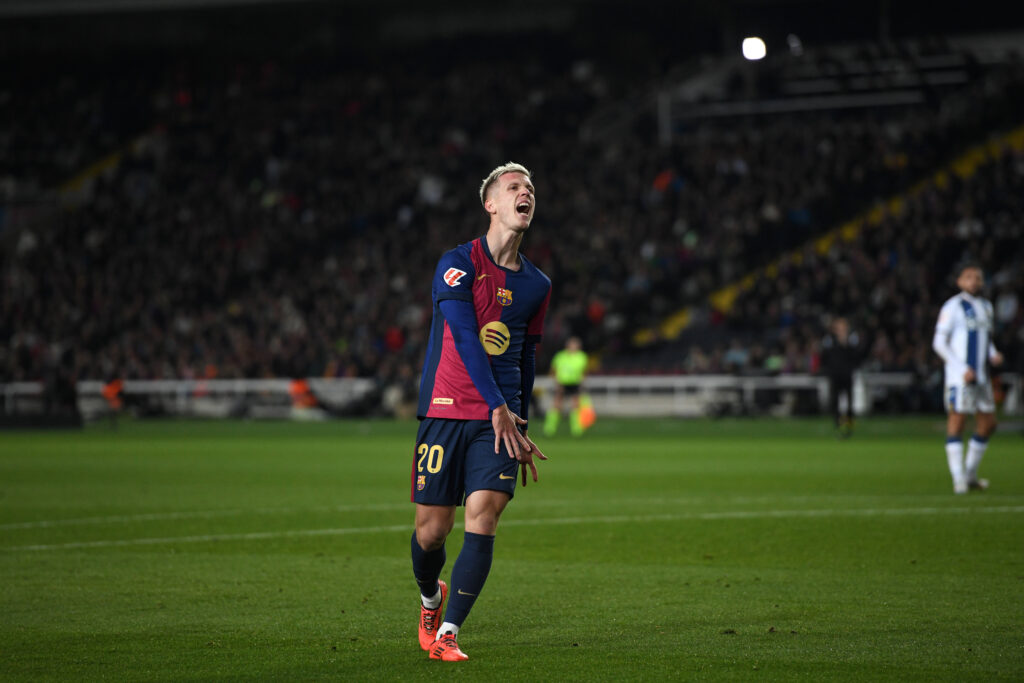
447, 650
430, 619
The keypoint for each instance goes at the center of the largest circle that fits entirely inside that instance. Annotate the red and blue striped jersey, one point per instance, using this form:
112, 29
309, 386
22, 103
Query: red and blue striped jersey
510, 308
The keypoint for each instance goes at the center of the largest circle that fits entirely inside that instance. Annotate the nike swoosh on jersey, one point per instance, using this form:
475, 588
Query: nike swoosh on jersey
482, 276
505, 476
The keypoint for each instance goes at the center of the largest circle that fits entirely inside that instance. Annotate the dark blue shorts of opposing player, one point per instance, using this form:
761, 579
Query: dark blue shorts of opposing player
454, 458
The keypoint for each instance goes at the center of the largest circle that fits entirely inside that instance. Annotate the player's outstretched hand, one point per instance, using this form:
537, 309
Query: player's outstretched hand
527, 460
506, 430
996, 359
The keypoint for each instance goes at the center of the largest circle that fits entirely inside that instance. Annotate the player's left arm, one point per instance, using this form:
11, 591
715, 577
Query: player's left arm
995, 358
528, 370
861, 348
529, 373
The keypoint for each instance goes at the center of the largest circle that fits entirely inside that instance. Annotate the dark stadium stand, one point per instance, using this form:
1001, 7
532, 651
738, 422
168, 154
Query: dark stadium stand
273, 215
890, 278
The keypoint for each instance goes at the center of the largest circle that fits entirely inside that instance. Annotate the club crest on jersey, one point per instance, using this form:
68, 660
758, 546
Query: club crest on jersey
504, 296
453, 275
421, 482
495, 337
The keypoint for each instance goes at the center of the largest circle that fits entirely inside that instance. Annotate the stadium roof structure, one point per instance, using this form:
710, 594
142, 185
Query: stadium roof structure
875, 15
12, 8
615, 28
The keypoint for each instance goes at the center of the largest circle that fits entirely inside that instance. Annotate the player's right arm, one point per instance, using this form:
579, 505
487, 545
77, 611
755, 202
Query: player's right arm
461, 319
941, 345
453, 290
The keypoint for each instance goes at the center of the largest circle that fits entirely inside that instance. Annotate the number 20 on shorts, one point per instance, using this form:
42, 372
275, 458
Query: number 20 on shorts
433, 455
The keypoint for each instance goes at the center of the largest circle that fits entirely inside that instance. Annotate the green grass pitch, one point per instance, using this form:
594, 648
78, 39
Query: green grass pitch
650, 550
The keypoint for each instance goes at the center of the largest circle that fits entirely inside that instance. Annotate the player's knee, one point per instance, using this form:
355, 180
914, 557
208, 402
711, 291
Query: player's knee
955, 424
482, 514
432, 534
430, 539
487, 526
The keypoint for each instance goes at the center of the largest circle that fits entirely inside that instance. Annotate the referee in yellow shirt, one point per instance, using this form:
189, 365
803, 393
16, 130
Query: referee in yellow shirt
568, 368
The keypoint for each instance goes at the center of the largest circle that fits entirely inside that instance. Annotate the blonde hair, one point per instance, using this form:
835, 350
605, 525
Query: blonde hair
510, 167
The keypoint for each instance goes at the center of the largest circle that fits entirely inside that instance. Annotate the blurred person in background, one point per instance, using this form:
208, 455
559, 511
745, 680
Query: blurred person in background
488, 315
568, 367
841, 354
963, 339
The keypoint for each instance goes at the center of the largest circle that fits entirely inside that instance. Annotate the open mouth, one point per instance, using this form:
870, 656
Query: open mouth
523, 208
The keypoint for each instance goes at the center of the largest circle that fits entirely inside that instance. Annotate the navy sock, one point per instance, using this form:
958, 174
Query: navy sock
468, 576
426, 566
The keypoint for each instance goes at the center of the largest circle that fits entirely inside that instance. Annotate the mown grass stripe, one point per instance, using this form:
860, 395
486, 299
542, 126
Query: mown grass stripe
601, 519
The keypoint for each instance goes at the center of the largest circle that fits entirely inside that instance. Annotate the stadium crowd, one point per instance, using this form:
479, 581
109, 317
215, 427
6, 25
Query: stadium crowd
55, 122
890, 280
282, 220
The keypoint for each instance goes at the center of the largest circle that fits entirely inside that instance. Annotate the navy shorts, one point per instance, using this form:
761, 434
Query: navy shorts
454, 458
570, 389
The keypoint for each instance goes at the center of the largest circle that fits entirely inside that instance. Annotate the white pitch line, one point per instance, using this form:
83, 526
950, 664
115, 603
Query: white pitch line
382, 507
197, 514
605, 519
257, 535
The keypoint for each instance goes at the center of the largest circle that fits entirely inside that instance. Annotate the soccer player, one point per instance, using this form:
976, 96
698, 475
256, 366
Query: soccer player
568, 367
963, 338
489, 307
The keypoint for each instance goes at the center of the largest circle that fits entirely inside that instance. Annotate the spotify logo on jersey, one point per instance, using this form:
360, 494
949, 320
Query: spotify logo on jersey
495, 338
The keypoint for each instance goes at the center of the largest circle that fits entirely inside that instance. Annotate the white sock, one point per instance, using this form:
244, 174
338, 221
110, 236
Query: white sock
955, 456
975, 452
434, 602
447, 627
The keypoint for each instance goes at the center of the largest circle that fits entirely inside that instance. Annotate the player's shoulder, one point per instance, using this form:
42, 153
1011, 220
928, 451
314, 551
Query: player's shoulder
455, 270
948, 313
460, 256
530, 269
464, 250
952, 303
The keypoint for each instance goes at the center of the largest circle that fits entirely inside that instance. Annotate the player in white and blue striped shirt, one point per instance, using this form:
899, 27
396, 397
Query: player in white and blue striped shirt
963, 338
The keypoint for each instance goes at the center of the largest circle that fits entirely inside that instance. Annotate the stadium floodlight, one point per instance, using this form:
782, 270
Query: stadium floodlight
753, 48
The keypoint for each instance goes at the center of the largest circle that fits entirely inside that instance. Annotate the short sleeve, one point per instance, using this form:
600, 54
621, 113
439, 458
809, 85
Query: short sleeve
453, 278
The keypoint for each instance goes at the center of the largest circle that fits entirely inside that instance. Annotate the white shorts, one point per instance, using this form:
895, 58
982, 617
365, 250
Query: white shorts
969, 398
